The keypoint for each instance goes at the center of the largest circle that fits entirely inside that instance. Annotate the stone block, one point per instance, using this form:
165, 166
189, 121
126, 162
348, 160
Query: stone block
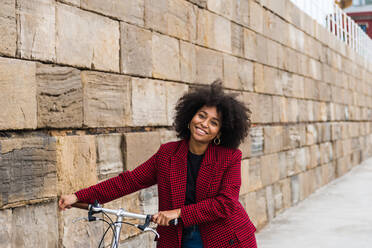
182, 20
110, 155
261, 214
324, 131
285, 187
209, 65
139, 147
280, 112
71, 2
302, 159
262, 102
145, 240
314, 156
244, 188
156, 15
149, 102
128, 11
325, 93
271, 25
187, 62
81, 233
295, 189
59, 96
224, 8
36, 38
6, 228
8, 28
135, 50
35, 225
165, 57
292, 136
273, 51
200, 3
76, 163
311, 134
254, 174
91, 46
266, 80
250, 44
167, 136
269, 169
174, 93
257, 139
238, 73
256, 20
273, 138
27, 170
282, 164
17, 94
293, 110
245, 147
270, 202
107, 100
262, 54
326, 152
237, 40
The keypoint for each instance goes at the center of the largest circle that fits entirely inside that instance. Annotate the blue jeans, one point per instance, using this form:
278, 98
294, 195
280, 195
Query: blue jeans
191, 238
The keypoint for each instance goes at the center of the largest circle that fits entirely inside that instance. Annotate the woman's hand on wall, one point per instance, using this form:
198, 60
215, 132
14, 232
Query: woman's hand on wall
66, 201
163, 217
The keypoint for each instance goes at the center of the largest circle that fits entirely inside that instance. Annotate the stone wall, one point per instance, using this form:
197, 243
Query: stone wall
87, 90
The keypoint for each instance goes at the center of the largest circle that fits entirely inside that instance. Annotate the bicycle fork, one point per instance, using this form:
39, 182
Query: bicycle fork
116, 238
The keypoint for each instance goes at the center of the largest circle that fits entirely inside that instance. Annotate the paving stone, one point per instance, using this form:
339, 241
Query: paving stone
156, 15
139, 147
91, 46
17, 94
27, 170
76, 163
187, 62
36, 38
59, 96
209, 65
182, 19
165, 57
109, 155
149, 102
8, 28
107, 100
136, 49
128, 11
36, 225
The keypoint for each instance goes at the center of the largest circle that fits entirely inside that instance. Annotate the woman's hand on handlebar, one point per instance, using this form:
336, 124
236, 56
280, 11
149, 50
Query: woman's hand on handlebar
164, 217
65, 201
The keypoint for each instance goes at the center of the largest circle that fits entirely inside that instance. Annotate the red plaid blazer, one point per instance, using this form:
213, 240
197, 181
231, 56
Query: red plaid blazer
222, 220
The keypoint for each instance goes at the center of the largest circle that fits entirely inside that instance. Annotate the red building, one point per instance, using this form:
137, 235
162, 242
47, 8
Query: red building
361, 13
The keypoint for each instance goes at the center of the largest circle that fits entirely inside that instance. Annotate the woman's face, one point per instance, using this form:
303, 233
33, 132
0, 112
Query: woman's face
205, 125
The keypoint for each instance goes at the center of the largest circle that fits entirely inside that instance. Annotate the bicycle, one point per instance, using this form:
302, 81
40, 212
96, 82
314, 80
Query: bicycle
120, 214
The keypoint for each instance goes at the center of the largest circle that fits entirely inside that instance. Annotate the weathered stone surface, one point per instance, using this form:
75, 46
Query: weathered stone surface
156, 15
237, 40
209, 65
165, 57
145, 240
36, 39
326, 152
294, 136
71, 2
6, 228
273, 138
238, 73
311, 135
269, 169
280, 106
92, 46
76, 163
167, 136
17, 94
273, 51
257, 140
59, 96
254, 174
81, 233
8, 28
139, 147
314, 156
27, 170
250, 44
262, 102
245, 147
187, 62
270, 203
261, 212
106, 99
213, 31
201, 3
295, 189
110, 155
256, 13
124, 10
35, 225
136, 49
174, 92
324, 131
182, 19
149, 102
293, 110
262, 54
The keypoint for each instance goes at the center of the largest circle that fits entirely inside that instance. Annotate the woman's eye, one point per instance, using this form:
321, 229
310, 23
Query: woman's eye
201, 115
214, 123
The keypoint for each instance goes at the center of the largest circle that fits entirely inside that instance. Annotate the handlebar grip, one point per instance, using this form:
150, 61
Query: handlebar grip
81, 205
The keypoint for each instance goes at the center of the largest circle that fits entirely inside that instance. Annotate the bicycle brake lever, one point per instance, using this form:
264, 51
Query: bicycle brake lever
153, 231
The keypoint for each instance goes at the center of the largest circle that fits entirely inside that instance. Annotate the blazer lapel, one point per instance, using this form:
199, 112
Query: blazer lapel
178, 175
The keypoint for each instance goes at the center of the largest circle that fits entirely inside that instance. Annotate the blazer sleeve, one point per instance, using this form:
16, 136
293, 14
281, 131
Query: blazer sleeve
222, 205
125, 183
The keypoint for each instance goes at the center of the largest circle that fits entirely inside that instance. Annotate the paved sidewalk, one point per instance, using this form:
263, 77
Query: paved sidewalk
337, 215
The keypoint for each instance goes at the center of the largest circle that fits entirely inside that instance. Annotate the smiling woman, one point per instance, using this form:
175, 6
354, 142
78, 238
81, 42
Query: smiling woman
198, 177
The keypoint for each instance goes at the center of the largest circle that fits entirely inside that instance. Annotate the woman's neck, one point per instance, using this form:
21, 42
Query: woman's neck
197, 147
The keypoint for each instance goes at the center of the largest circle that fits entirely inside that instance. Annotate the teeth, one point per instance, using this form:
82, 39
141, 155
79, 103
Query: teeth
202, 131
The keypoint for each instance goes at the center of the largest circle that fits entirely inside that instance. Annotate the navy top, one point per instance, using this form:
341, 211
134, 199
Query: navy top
193, 166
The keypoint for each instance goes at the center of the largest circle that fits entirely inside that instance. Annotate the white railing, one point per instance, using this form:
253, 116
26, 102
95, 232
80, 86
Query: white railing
331, 16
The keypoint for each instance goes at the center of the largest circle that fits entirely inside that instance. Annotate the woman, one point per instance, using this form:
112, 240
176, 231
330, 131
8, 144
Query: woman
198, 177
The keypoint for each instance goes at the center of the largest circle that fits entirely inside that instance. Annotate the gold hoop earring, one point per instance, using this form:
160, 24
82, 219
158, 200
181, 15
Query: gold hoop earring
188, 126
217, 141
